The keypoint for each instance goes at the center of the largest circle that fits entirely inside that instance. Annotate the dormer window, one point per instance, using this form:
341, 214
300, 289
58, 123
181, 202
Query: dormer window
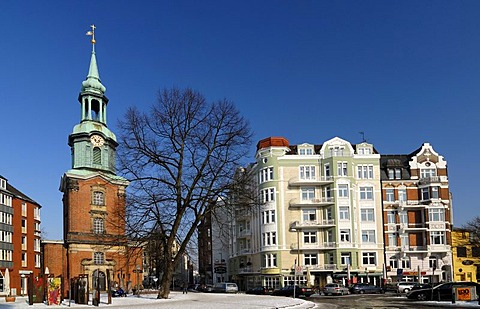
3, 184
394, 173
305, 151
336, 151
364, 150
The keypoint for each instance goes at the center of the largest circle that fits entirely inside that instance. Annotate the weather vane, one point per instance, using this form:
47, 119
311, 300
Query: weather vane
92, 33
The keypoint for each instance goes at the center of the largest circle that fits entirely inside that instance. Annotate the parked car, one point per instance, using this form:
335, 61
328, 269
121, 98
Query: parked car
404, 287
225, 287
260, 290
335, 289
390, 287
205, 288
418, 286
299, 291
443, 291
365, 288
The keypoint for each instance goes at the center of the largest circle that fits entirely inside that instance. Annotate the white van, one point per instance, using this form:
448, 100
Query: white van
225, 287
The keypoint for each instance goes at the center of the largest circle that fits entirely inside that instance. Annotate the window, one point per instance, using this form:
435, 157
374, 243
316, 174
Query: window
369, 258
368, 236
404, 241
98, 198
437, 237
402, 195
97, 156
393, 262
24, 226
344, 235
435, 192
425, 194
98, 258
343, 190
309, 215
308, 194
364, 150
405, 263
305, 151
403, 217
270, 260
427, 172
366, 193
307, 172
462, 251
310, 259
24, 259
36, 244
336, 151
436, 214
268, 216
37, 260
345, 258
390, 195
394, 173
365, 171
268, 195
342, 169
328, 192
392, 240
309, 237
432, 262
326, 168
24, 209
475, 251
266, 174
391, 216
98, 226
344, 212
269, 238
24, 242
367, 215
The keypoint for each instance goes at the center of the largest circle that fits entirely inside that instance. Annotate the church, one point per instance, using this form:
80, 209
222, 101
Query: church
95, 245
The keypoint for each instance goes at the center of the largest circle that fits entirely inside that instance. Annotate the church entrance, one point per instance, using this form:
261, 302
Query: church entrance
99, 280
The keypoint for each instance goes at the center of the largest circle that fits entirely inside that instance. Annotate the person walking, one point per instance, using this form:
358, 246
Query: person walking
185, 286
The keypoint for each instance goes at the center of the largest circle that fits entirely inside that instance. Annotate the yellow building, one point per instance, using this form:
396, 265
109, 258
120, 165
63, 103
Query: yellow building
466, 257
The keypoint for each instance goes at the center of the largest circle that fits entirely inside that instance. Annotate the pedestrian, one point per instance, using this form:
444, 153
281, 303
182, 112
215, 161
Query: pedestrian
185, 285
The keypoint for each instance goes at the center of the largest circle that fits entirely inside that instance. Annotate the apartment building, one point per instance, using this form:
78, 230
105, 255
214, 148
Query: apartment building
19, 239
319, 217
466, 256
417, 213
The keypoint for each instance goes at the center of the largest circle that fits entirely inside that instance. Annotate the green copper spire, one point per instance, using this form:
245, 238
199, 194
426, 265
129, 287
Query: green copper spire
93, 83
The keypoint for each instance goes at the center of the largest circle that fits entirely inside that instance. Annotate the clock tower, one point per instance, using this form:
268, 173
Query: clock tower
95, 243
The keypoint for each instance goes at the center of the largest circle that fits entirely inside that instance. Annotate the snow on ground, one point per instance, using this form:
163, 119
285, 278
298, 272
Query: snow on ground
178, 300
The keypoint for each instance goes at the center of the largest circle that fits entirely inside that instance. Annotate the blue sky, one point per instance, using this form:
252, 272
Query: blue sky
403, 72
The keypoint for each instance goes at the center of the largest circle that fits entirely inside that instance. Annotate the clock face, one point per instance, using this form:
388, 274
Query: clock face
97, 140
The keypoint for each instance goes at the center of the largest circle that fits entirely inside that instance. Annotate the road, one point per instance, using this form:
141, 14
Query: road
379, 301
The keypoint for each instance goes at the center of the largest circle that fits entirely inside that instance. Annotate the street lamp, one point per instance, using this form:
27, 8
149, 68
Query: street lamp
297, 260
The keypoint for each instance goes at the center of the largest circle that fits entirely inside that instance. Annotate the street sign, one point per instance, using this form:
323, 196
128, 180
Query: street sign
298, 270
220, 269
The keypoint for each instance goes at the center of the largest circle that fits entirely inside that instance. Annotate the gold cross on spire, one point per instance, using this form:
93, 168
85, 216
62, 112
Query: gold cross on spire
92, 33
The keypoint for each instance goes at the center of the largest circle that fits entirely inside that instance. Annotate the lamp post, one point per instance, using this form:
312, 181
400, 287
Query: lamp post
297, 260
138, 279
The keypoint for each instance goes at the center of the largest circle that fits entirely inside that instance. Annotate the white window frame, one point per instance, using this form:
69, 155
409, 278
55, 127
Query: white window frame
369, 258
306, 172
309, 237
365, 171
345, 235
366, 193
309, 215
368, 236
342, 169
344, 212
367, 215
342, 190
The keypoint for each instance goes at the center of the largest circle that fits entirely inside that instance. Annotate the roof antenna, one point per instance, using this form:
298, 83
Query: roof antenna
363, 136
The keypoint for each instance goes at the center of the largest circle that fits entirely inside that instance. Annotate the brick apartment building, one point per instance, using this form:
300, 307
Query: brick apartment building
19, 238
94, 243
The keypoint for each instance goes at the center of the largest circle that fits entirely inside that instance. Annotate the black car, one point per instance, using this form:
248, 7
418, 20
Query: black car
442, 291
299, 291
419, 286
365, 288
260, 290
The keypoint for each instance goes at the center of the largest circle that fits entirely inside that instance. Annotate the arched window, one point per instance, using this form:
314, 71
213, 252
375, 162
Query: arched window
97, 156
98, 198
98, 226
98, 258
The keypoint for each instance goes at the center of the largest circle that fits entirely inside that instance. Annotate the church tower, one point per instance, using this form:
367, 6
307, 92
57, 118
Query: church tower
93, 195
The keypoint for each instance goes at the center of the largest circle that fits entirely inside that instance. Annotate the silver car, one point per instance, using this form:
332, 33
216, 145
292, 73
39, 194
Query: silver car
335, 289
404, 287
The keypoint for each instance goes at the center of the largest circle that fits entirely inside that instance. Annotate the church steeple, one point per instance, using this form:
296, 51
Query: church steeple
93, 144
92, 96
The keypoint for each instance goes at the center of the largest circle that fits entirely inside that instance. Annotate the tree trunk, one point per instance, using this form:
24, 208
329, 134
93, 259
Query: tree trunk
164, 289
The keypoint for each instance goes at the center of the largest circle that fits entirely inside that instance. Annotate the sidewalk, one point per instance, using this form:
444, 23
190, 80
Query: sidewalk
191, 300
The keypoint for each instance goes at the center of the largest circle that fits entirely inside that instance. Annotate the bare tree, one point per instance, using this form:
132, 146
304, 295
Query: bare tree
473, 226
181, 157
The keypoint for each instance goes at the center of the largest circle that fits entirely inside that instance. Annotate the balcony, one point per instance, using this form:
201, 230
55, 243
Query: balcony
243, 251
296, 202
246, 270
318, 181
310, 224
414, 249
432, 180
439, 248
244, 233
315, 246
